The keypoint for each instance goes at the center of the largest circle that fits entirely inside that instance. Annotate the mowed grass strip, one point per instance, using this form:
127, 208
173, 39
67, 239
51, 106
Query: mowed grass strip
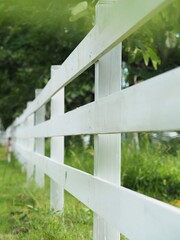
11, 180
24, 209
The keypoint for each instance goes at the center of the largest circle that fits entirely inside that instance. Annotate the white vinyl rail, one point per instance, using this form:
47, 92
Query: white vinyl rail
149, 106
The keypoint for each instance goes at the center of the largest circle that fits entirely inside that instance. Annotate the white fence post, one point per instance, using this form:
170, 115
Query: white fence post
16, 142
39, 142
57, 149
107, 146
30, 146
22, 143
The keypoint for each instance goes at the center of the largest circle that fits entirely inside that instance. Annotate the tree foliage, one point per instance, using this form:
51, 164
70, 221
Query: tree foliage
33, 36
154, 48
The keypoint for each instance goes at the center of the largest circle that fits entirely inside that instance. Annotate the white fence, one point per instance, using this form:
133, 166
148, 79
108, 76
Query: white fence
150, 106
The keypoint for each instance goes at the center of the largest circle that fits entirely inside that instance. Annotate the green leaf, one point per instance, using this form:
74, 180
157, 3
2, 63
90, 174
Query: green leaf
145, 57
154, 57
79, 11
80, 7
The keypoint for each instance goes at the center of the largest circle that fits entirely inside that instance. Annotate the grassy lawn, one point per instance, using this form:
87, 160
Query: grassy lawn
24, 209
153, 170
10, 187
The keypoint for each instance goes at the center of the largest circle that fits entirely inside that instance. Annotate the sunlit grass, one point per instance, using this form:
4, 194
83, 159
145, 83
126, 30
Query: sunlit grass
25, 214
152, 170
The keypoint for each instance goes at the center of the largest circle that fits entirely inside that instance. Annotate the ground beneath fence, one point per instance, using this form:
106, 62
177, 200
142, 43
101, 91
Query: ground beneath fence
24, 209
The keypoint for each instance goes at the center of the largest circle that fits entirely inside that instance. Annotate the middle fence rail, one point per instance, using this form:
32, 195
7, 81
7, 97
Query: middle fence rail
149, 106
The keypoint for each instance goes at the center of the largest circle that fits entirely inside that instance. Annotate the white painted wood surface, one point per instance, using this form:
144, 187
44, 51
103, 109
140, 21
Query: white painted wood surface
107, 147
128, 16
57, 150
39, 142
30, 146
149, 106
135, 215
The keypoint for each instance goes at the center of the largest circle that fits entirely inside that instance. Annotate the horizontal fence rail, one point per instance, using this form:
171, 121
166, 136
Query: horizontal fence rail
149, 106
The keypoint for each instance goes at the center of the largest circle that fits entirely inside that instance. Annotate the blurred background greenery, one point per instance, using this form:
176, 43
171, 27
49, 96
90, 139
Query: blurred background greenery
33, 36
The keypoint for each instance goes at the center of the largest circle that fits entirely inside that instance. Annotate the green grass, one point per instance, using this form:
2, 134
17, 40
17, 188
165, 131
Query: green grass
10, 185
40, 223
152, 170
25, 214
81, 159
